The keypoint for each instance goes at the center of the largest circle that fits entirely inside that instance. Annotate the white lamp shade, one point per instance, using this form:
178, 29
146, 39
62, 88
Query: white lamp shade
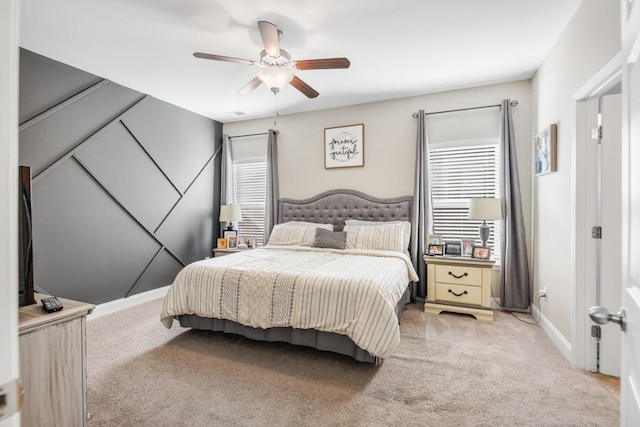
485, 209
275, 77
230, 213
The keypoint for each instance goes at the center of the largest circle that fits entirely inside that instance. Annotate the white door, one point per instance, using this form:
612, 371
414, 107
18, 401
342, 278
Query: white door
610, 243
630, 372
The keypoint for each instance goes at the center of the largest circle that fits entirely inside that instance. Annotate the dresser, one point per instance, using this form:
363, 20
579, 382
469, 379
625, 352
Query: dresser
53, 364
459, 285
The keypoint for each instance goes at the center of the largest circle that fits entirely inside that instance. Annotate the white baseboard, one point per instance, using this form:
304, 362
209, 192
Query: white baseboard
122, 303
556, 337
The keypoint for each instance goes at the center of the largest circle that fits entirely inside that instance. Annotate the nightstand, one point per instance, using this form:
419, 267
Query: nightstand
459, 285
228, 251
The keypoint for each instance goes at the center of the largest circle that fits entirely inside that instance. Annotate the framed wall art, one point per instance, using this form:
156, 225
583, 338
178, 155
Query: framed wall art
546, 150
344, 146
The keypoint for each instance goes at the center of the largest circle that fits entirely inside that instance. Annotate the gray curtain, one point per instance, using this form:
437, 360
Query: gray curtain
422, 221
226, 176
514, 274
273, 193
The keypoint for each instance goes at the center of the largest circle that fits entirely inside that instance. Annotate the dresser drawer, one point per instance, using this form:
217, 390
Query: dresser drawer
458, 275
459, 294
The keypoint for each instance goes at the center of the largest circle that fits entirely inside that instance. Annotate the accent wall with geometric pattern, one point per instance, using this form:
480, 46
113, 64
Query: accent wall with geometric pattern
124, 186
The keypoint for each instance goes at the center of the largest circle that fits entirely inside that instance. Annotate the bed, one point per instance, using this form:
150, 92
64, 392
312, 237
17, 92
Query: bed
347, 301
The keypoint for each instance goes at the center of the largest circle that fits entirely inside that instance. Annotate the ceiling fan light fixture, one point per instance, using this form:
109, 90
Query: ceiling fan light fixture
275, 77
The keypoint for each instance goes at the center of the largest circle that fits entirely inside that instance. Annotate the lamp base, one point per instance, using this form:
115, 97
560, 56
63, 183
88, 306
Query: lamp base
484, 233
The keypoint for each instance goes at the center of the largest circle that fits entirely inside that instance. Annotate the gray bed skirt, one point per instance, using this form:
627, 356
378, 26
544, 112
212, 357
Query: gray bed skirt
320, 340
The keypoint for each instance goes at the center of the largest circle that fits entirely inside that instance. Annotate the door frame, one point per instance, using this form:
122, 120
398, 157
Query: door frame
583, 285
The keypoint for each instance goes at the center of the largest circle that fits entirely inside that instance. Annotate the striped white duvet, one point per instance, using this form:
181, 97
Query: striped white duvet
351, 292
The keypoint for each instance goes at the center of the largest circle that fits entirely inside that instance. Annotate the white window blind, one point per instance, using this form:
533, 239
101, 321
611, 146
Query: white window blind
458, 173
250, 192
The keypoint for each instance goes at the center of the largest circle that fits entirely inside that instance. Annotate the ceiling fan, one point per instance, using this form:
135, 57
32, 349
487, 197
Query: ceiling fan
276, 65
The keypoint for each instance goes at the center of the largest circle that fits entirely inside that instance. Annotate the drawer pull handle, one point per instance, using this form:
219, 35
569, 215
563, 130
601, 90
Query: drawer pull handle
460, 294
458, 277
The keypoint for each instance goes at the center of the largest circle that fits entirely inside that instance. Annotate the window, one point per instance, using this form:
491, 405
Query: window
250, 192
460, 171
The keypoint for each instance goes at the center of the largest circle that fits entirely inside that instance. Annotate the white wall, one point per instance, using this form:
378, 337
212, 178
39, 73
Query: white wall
591, 39
9, 196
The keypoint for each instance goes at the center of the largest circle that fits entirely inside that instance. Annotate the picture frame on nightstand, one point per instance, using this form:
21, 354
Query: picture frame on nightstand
232, 242
481, 252
453, 247
435, 249
222, 243
434, 239
467, 247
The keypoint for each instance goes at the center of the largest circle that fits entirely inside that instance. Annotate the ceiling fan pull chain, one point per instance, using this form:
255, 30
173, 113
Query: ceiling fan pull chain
275, 109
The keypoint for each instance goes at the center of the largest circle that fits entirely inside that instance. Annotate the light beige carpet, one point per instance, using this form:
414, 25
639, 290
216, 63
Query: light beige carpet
450, 370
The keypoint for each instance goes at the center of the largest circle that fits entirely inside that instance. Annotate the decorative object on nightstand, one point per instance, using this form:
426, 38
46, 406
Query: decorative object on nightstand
453, 247
485, 209
230, 214
467, 247
435, 249
459, 285
481, 252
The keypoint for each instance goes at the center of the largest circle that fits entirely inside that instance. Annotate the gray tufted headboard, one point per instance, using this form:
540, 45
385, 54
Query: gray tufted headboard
335, 206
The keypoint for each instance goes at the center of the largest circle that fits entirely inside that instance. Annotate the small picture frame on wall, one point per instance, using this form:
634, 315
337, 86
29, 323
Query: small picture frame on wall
344, 146
222, 243
546, 150
481, 252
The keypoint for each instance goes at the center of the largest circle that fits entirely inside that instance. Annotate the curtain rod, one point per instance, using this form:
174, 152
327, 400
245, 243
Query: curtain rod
513, 103
252, 134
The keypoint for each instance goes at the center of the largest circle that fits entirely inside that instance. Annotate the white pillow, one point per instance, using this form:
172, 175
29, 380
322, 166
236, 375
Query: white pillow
314, 224
406, 227
288, 234
386, 237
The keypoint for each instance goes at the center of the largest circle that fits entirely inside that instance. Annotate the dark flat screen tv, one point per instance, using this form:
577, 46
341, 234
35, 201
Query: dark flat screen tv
25, 240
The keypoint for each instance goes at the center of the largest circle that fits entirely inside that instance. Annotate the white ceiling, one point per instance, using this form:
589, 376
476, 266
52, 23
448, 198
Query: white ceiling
397, 48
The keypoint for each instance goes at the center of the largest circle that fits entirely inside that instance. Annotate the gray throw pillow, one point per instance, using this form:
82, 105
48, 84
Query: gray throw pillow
329, 239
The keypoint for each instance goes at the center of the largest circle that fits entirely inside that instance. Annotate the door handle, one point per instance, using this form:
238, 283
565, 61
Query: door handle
603, 316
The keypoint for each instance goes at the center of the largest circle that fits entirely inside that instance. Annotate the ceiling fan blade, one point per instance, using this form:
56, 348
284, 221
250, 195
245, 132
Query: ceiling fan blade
223, 58
321, 64
307, 90
269, 33
249, 87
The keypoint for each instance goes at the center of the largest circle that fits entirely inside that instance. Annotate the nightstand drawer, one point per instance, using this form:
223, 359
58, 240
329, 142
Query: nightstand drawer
470, 295
458, 275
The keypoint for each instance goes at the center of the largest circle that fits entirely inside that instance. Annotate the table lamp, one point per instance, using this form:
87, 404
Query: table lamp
485, 209
230, 214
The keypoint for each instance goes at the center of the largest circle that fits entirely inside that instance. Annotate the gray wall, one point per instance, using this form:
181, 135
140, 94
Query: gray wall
125, 187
